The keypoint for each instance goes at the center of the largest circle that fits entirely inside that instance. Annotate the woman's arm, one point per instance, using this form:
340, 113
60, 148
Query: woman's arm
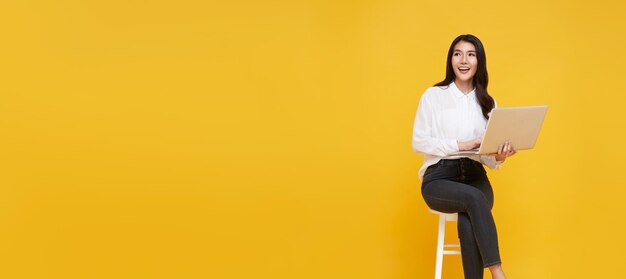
423, 142
490, 161
495, 160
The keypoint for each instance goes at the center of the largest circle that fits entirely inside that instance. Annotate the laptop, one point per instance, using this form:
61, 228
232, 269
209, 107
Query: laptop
519, 125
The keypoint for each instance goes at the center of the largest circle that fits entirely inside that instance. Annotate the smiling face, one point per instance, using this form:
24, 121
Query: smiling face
464, 61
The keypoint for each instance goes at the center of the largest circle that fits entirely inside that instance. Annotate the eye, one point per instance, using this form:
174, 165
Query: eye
472, 54
456, 54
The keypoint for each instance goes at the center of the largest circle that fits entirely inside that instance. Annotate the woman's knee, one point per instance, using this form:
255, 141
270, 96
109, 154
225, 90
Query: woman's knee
477, 200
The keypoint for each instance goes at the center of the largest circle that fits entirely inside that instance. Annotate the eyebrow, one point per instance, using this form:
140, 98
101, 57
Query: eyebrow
462, 51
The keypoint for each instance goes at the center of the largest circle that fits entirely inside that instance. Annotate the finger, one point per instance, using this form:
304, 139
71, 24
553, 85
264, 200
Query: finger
500, 149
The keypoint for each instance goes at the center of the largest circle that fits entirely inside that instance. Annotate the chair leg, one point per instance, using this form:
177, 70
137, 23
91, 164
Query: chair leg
440, 240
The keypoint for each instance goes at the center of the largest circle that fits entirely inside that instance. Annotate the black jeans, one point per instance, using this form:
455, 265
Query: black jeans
462, 186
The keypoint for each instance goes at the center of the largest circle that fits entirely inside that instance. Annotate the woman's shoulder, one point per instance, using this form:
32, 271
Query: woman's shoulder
434, 91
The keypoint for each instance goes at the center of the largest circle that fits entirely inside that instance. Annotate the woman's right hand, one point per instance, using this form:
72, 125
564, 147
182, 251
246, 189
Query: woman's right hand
470, 144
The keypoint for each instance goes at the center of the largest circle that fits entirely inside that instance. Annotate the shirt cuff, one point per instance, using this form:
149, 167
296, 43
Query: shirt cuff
450, 146
490, 161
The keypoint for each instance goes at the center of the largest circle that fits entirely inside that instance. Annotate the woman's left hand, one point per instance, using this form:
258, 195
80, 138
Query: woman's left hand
504, 151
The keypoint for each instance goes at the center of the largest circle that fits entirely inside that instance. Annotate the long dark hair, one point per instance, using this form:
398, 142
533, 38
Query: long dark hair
481, 78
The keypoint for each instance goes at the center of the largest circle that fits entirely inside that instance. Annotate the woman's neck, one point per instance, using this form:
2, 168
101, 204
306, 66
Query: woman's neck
464, 86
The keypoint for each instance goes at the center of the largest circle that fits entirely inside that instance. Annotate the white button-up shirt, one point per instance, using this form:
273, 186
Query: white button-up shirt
444, 116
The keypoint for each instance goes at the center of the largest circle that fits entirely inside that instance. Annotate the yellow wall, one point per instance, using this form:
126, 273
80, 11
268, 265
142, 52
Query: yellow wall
271, 139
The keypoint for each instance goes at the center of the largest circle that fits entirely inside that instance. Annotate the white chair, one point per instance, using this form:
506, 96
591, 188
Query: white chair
441, 245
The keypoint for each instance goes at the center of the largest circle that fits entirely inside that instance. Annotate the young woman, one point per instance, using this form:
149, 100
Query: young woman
452, 116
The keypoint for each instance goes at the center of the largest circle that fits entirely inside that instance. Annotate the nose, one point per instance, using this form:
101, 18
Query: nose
464, 59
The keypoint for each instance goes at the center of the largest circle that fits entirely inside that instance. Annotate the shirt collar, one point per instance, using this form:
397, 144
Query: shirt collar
456, 92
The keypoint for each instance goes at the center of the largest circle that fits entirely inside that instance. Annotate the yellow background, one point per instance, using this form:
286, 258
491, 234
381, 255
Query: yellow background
271, 139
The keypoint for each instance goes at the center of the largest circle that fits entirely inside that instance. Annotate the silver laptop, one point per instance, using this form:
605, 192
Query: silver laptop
520, 125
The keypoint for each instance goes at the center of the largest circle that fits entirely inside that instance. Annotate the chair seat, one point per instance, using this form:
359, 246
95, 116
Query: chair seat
450, 217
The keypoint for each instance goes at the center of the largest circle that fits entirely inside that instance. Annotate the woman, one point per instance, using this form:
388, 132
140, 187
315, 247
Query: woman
451, 117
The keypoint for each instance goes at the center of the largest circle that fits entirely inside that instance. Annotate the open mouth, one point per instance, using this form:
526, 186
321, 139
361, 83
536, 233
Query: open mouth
464, 70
